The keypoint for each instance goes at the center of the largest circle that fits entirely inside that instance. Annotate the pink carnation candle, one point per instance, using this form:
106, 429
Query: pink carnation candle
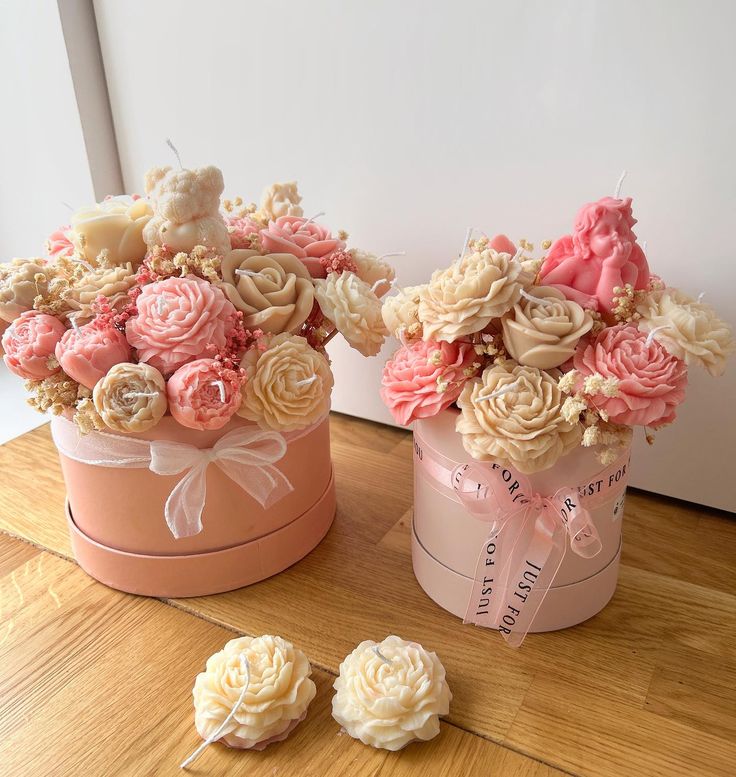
203, 394
425, 377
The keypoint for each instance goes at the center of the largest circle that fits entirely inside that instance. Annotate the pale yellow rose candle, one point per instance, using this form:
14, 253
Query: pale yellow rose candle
391, 693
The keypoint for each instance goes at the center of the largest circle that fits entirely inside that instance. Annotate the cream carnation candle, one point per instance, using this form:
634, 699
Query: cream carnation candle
525, 379
179, 342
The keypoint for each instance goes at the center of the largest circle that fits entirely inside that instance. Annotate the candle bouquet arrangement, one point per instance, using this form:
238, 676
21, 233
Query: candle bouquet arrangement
543, 355
177, 303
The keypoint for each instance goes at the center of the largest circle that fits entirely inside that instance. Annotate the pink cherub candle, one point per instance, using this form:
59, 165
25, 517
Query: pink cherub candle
601, 254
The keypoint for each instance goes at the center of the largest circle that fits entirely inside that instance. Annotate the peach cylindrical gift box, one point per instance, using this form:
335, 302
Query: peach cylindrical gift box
120, 535
447, 540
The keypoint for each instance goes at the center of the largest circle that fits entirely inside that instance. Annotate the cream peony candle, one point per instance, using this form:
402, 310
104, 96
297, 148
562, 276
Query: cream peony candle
391, 693
253, 692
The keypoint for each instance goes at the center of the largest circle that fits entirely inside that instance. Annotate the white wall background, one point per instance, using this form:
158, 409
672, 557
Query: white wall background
43, 156
408, 122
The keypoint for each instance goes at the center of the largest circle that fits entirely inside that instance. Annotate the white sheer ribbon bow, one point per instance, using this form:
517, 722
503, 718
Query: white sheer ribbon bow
246, 455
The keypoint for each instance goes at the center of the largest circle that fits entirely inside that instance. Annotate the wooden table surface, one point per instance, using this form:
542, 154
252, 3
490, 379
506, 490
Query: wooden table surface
94, 682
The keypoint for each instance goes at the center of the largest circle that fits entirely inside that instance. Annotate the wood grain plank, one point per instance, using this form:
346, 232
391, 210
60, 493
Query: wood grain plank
668, 617
95, 682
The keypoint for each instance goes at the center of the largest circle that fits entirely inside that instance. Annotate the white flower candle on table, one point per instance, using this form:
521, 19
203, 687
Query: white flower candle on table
253, 692
391, 693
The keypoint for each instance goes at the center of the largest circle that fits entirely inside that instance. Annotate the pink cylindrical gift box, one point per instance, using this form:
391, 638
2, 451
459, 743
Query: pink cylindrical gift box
447, 539
120, 535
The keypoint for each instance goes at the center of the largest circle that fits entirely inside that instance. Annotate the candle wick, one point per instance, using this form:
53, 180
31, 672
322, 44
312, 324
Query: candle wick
381, 281
73, 319
392, 253
700, 296
468, 235
377, 650
652, 332
310, 220
245, 666
500, 392
539, 300
176, 152
246, 272
137, 394
67, 205
306, 381
619, 184
84, 264
220, 385
161, 304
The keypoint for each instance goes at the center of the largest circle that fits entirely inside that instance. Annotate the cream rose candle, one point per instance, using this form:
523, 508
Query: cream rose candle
114, 226
391, 693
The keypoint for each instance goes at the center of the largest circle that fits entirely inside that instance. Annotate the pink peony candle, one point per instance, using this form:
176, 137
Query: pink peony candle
87, 353
179, 320
29, 344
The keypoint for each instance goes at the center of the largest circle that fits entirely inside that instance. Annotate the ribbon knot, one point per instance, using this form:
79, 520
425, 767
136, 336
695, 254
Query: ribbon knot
245, 455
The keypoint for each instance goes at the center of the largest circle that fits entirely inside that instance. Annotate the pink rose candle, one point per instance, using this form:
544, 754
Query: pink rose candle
304, 239
179, 320
203, 394
425, 377
651, 381
87, 353
601, 254
29, 344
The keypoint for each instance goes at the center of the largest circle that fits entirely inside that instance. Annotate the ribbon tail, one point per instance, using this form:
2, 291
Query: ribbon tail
535, 567
491, 571
265, 483
184, 507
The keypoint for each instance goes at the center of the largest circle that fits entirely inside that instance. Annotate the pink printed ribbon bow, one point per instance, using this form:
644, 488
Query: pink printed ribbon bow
245, 455
526, 543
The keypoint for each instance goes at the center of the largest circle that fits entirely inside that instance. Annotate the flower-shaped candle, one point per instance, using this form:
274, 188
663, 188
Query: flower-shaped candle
29, 344
274, 291
112, 282
273, 679
512, 415
425, 377
651, 382
131, 397
115, 226
179, 320
87, 353
543, 328
687, 328
21, 281
391, 693
287, 385
354, 309
303, 238
203, 394
464, 298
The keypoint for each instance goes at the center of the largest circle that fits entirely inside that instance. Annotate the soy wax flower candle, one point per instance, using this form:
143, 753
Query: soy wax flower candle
253, 692
391, 693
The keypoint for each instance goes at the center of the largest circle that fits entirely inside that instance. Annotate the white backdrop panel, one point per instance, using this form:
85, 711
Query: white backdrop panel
409, 121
